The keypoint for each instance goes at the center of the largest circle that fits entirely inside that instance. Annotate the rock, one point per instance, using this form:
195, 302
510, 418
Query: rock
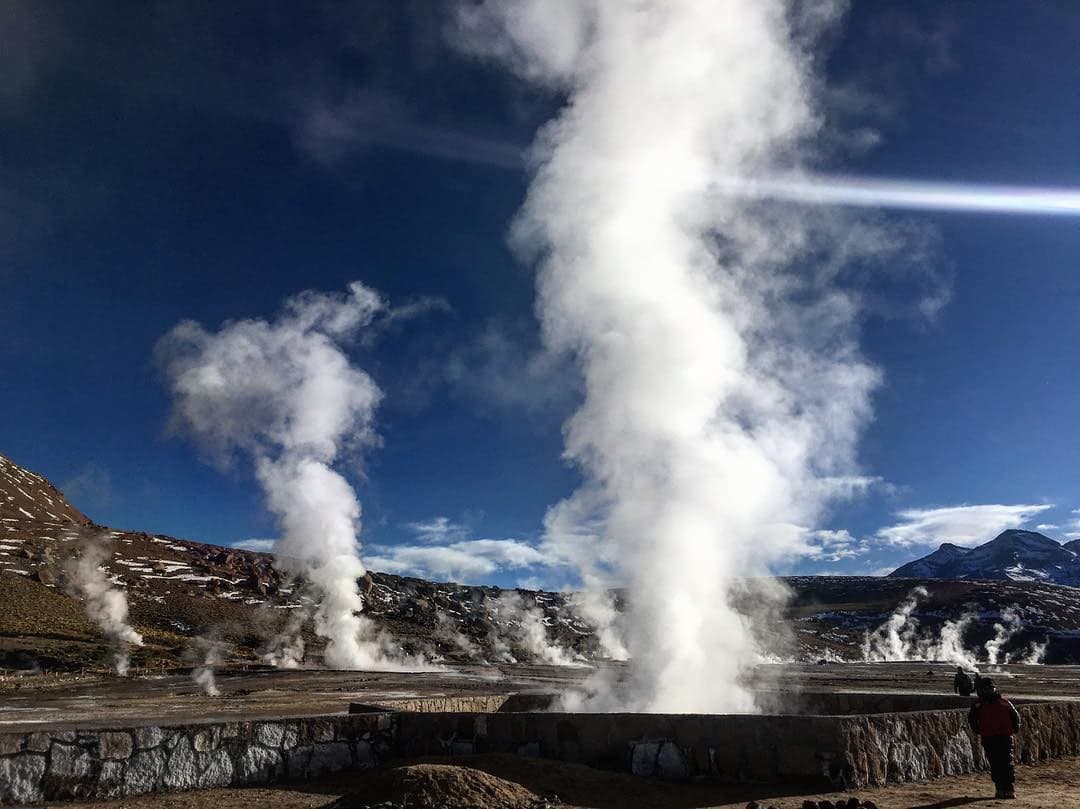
257, 764
110, 780
852, 803
809, 805
215, 769
45, 575
11, 743
290, 736
69, 770
38, 742
670, 763
330, 757
181, 771
867, 804
206, 740
365, 756
269, 734
21, 778
297, 761
753, 805
643, 760
114, 746
826, 804
146, 738
144, 771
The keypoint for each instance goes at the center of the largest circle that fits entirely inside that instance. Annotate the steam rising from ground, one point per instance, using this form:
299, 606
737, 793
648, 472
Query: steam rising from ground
207, 653
284, 393
900, 639
527, 629
105, 604
724, 390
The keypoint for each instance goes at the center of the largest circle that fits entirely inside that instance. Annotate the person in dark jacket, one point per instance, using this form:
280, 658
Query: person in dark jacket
996, 721
962, 683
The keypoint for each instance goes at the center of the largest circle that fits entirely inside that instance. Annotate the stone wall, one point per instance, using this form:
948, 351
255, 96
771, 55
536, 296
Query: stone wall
677, 747
840, 750
879, 749
132, 761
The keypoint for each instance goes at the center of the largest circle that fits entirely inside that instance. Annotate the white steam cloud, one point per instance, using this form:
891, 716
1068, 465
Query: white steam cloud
899, 639
284, 393
105, 603
523, 626
724, 389
1003, 632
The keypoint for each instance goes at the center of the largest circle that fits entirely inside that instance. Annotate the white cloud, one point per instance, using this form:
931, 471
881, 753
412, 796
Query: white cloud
967, 526
833, 546
468, 560
437, 530
1047, 526
257, 545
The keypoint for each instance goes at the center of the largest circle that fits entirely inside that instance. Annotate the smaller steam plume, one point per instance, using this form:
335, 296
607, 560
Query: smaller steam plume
105, 604
899, 639
526, 630
1036, 654
207, 652
597, 608
448, 634
284, 647
1003, 632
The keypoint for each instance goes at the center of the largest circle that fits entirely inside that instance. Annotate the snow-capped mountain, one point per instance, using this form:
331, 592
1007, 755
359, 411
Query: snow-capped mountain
1013, 555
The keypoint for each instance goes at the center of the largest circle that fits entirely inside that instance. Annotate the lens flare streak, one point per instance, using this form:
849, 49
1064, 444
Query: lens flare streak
865, 192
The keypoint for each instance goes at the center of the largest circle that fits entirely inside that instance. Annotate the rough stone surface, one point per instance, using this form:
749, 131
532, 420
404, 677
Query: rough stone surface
257, 765
181, 770
69, 771
111, 780
670, 763
144, 772
38, 742
269, 734
148, 737
11, 743
115, 746
330, 756
215, 769
21, 778
207, 739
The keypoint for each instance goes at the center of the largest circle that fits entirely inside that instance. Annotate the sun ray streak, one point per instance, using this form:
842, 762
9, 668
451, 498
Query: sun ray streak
866, 192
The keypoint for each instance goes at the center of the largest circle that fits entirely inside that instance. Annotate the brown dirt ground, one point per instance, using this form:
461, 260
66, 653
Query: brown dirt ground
508, 782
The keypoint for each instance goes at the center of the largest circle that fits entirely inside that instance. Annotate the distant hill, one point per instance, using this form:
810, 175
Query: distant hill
1012, 555
28, 497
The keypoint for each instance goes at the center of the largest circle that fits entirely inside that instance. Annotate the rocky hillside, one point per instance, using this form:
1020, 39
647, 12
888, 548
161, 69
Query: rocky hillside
1011, 556
179, 591
182, 592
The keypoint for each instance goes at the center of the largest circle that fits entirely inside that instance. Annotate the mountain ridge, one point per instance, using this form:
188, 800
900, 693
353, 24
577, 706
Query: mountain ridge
1013, 555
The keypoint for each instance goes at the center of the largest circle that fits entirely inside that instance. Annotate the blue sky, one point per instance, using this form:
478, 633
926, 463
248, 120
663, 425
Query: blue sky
157, 165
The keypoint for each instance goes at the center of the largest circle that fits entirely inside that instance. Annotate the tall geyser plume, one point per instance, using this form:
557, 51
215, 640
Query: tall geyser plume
105, 603
724, 388
284, 393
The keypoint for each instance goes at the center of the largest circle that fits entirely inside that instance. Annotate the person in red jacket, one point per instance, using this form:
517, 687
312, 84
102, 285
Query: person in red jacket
996, 721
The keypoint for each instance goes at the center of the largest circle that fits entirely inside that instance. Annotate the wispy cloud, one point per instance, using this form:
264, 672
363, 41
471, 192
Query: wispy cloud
256, 545
835, 545
961, 525
470, 560
443, 550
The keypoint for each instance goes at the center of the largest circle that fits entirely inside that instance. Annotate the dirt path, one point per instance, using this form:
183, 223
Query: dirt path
1052, 785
